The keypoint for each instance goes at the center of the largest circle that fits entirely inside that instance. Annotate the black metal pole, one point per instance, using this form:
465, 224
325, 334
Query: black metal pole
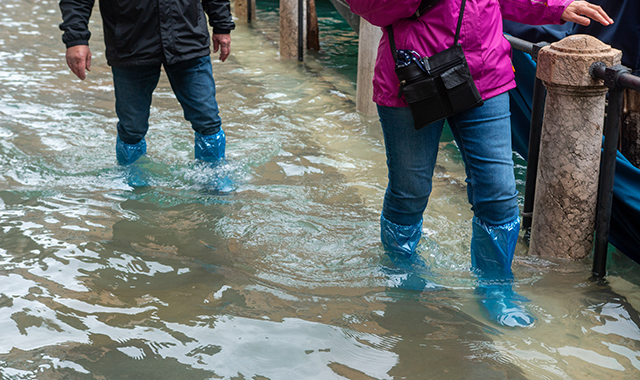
535, 131
608, 163
520, 44
249, 4
300, 29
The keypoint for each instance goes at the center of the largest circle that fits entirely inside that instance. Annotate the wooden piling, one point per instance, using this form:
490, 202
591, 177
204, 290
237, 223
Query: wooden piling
289, 28
241, 9
313, 31
369, 38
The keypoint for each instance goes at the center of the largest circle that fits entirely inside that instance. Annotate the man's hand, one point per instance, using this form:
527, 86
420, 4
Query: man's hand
79, 60
581, 11
222, 42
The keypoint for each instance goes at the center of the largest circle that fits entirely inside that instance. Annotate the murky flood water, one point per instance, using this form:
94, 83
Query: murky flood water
280, 280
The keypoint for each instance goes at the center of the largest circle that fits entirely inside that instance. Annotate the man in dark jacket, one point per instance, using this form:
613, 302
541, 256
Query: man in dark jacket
140, 37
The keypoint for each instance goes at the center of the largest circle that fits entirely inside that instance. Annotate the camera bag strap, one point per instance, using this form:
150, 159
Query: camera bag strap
392, 42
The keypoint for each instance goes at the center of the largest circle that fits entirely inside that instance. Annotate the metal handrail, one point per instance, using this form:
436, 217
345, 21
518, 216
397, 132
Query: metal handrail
535, 130
617, 78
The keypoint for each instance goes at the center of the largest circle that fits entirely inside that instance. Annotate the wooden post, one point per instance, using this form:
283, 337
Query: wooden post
630, 134
570, 147
313, 37
369, 38
240, 8
289, 28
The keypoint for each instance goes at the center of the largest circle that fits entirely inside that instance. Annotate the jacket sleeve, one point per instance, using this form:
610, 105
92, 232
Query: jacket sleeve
384, 12
534, 12
219, 12
75, 21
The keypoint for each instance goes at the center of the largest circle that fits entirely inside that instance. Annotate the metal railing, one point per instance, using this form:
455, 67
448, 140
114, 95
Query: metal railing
617, 78
537, 111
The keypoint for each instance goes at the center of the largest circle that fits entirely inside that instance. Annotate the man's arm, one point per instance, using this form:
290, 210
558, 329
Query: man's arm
75, 25
220, 19
581, 12
535, 12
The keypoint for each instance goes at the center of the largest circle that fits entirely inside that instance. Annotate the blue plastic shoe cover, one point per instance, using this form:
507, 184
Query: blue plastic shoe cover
127, 154
492, 251
210, 148
502, 305
136, 176
407, 269
400, 239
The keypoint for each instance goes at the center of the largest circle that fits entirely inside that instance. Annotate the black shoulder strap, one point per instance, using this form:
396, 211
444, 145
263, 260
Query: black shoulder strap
392, 42
455, 40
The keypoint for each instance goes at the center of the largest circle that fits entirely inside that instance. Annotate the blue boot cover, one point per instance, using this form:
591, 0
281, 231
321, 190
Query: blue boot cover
492, 250
407, 269
211, 149
127, 155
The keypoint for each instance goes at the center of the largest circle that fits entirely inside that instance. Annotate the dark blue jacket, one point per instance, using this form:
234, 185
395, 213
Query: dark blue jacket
624, 34
138, 32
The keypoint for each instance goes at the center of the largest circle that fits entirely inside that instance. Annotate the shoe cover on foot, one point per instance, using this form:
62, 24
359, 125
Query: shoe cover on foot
400, 241
407, 269
501, 304
492, 251
211, 149
127, 156
136, 176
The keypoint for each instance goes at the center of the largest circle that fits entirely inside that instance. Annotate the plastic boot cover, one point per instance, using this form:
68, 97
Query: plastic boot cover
127, 155
400, 239
211, 149
492, 250
407, 269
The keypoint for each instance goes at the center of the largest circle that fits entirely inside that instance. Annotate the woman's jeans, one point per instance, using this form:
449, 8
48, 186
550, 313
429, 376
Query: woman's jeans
483, 135
192, 83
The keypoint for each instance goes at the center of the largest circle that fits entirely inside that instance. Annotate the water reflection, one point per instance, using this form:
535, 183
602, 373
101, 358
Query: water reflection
280, 280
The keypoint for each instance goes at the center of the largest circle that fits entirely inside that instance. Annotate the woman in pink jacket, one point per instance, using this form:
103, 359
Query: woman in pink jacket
483, 134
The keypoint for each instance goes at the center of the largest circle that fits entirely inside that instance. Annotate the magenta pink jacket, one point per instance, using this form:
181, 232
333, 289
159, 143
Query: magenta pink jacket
486, 49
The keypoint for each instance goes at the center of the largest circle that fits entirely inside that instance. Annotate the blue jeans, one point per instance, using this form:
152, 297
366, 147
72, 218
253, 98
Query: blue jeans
483, 136
191, 81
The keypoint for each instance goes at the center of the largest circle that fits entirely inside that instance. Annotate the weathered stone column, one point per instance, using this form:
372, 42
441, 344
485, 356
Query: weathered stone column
570, 147
289, 28
368, 40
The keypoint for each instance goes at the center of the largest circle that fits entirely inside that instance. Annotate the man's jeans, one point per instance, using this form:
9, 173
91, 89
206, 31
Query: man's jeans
483, 136
191, 81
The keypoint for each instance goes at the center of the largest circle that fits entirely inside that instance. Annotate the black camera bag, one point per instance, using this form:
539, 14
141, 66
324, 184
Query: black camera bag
443, 89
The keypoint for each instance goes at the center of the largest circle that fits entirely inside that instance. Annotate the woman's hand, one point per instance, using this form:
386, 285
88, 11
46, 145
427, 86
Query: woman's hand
581, 12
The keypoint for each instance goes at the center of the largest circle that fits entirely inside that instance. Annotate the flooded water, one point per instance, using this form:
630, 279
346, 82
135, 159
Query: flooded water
280, 280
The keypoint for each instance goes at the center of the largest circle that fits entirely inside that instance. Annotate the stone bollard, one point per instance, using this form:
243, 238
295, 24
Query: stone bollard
570, 147
368, 40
